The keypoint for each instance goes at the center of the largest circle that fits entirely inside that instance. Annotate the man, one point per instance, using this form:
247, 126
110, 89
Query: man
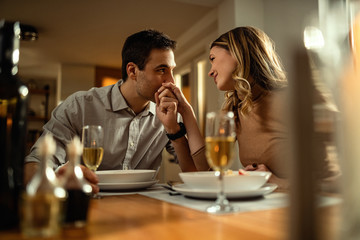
134, 136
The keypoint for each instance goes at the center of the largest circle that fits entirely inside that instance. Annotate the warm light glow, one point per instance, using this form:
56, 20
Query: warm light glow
178, 80
106, 81
221, 131
78, 172
15, 56
24, 91
355, 37
87, 188
3, 108
9, 123
216, 148
201, 92
185, 89
313, 38
50, 174
60, 192
14, 70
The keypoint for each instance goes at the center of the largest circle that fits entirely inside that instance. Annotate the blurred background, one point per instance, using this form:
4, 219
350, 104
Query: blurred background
77, 45
79, 42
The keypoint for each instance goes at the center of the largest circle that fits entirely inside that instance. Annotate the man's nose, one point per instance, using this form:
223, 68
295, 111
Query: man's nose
170, 78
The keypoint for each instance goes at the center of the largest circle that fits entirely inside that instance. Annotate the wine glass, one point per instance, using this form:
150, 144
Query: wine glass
220, 140
93, 140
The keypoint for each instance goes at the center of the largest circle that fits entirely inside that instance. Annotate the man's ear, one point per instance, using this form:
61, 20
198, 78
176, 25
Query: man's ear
131, 70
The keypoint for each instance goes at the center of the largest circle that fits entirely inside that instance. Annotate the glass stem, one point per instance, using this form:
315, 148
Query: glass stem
221, 178
221, 199
95, 195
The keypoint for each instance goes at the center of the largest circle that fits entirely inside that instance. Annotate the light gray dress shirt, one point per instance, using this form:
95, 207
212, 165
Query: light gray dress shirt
131, 141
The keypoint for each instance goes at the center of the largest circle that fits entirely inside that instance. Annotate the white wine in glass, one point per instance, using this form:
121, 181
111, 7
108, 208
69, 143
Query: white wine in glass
220, 151
92, 157
93, 140
220, 140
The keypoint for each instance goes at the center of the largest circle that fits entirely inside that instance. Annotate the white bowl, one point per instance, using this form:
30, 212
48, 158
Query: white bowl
235, 182
125, 176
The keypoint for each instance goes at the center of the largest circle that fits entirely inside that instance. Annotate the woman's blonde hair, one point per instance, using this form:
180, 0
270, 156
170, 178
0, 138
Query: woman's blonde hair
256, 57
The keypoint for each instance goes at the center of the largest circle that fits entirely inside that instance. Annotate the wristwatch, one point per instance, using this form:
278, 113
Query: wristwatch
179, 134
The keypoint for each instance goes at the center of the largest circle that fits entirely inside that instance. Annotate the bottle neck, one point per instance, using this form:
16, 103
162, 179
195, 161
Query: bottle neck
9, 47
44, 163
74, 161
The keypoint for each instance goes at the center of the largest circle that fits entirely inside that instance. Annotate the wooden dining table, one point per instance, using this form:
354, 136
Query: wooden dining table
135, 216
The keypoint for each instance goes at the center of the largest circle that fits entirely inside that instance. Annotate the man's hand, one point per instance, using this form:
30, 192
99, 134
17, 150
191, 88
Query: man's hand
183, 104
166, 109
89, 175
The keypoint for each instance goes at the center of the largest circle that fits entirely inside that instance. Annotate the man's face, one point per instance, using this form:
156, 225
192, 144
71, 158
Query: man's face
158, 70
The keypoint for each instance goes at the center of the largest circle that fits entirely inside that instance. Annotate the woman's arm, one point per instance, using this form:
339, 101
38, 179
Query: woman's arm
168, 105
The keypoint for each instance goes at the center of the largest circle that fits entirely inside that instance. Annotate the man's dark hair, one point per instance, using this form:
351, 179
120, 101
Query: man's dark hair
138, 46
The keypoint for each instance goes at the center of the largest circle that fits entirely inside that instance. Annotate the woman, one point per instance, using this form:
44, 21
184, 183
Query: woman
245, 66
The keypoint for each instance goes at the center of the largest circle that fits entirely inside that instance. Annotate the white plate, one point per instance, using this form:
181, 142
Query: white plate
212, 194
208, 180
125, 176
126, 186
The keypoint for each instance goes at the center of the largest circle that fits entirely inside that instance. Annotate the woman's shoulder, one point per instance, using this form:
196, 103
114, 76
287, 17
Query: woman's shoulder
279, 94
274, 105
275, 98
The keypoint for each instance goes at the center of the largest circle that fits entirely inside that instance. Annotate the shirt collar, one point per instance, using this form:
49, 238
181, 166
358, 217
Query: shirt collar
119, 103
150, 109
117, 99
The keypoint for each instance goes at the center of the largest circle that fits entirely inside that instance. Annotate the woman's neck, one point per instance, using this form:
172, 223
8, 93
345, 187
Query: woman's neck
256, 90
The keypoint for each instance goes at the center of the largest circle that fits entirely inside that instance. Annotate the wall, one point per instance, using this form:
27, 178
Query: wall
235, 13
284, 22
74, 78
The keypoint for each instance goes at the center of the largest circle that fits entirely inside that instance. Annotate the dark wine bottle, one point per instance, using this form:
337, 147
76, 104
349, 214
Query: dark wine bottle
78, 189
13, 111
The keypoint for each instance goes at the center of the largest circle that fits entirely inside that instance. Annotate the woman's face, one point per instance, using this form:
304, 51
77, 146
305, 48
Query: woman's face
223, 65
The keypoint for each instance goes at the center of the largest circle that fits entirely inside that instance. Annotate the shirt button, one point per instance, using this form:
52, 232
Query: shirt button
132, 144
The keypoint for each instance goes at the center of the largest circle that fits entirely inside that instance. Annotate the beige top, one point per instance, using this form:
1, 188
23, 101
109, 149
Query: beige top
263, 137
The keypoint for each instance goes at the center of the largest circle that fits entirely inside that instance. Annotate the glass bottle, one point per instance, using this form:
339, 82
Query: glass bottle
13, 111
42, 205
78, 189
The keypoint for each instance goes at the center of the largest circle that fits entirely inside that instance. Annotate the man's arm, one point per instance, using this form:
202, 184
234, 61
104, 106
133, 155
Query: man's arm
30, 169
167, 107
64, 124
166, 111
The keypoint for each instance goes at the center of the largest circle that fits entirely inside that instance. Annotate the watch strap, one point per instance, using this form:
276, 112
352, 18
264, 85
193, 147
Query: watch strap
179, 134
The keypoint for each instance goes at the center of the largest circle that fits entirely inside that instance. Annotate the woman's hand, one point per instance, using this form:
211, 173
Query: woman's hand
183, 104
282, 183
166, 109
89, 175
256, 167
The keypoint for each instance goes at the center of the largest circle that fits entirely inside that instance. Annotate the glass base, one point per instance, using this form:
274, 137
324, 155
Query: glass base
220, 209
96, 196
221, 206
